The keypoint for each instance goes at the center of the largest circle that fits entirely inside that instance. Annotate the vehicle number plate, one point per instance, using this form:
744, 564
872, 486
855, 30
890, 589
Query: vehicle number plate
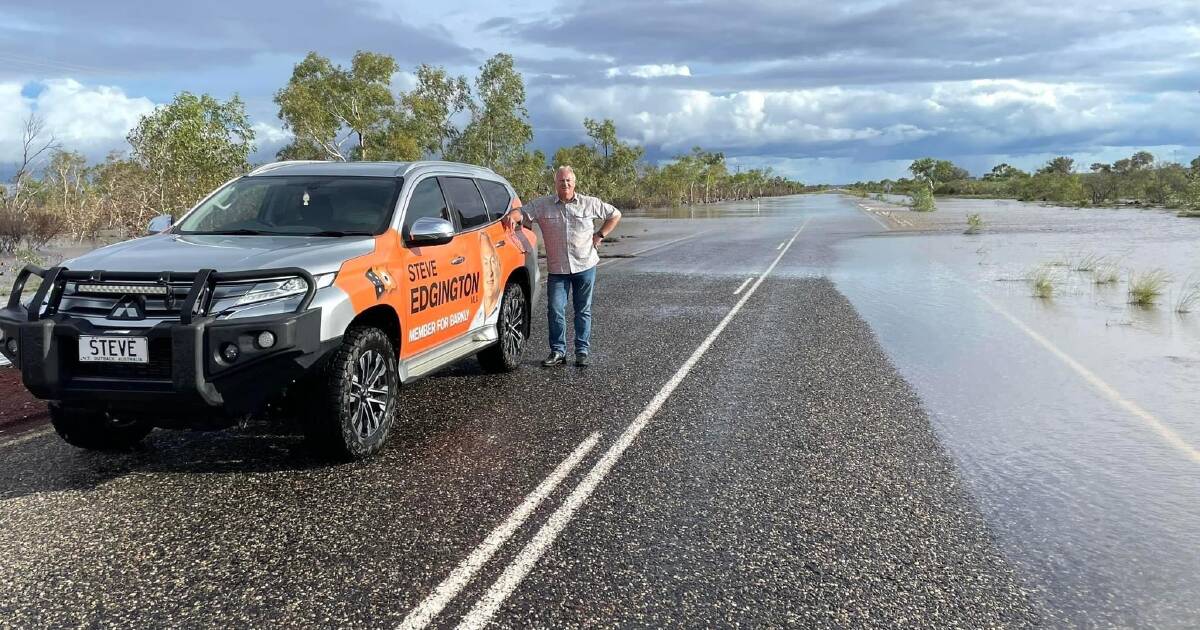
114, 349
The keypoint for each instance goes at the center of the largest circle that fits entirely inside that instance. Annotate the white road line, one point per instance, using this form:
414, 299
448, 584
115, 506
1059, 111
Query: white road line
465, 571
780, 246
1108, 391
491, 601
873, 217
609, 261
739, 289
27, 437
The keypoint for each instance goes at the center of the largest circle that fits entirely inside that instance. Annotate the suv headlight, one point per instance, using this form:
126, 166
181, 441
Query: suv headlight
278, 289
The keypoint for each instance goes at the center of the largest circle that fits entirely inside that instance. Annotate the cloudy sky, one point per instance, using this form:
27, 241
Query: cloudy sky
821, 91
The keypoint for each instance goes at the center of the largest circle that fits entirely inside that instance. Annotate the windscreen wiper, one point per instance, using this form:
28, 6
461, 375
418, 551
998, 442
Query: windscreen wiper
237, 232
340, 233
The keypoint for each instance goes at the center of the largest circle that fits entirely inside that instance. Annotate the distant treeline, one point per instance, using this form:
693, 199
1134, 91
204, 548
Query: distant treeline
1139, 179
183, 150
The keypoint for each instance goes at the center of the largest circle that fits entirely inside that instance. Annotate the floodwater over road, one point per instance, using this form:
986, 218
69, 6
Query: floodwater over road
1074, 420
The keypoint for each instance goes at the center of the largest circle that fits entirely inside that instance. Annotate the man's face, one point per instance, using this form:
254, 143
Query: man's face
564, 183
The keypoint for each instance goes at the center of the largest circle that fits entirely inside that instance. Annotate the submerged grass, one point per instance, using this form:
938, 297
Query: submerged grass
1189, 296
1145, 288
1089, 262
1043, 280
974, 223
1106, 272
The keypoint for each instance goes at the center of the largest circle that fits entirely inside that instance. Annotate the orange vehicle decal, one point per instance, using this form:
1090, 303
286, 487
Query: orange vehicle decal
369, 279
438, 292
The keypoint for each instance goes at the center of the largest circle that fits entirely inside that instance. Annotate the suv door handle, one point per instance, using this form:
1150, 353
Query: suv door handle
458, 260
500, 243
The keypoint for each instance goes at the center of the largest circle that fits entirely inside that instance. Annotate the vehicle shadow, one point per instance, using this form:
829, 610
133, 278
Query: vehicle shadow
430, 410
47, 464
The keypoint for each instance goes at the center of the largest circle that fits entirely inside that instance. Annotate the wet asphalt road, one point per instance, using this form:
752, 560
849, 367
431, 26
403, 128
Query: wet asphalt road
792, 479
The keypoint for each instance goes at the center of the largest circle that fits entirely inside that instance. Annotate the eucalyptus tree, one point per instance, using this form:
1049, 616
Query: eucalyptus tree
431, 106
189, 147
327, 106
499, 128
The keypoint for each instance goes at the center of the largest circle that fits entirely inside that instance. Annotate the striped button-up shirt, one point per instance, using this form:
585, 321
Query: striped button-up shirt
567, 230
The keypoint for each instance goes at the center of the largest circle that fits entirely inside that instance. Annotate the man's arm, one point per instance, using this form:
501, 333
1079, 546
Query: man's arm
518, 215
611, 217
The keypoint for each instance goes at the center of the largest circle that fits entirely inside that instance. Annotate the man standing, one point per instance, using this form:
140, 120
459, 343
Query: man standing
571, 239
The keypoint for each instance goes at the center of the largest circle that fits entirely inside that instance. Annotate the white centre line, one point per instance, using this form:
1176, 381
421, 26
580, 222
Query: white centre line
780, 246
520, 567
462, 574
739, 289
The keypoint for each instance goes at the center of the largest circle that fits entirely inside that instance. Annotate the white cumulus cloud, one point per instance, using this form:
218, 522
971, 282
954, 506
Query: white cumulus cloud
89, 119
89, 116
956, 118
650, 71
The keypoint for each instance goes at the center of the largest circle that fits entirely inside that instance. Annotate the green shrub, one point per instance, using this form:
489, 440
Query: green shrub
922, 199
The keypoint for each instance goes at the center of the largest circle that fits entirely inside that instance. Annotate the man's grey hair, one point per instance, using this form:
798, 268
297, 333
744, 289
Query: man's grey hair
563, 170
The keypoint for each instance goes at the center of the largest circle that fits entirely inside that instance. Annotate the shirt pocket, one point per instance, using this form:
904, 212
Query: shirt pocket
581, 220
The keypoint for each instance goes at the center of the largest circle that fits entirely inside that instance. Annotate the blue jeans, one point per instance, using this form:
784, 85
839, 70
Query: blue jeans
580, 285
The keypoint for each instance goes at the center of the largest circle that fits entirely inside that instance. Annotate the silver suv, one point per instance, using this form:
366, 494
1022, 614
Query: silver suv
334, 282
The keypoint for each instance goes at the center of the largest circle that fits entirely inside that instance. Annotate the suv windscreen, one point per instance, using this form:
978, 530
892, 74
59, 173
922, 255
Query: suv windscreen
297, 206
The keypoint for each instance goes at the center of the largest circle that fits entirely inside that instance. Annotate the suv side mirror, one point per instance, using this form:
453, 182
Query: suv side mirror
428, 231
160, 223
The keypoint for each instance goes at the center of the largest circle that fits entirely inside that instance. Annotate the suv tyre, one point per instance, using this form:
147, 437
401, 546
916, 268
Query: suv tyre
356, 402
96, 430
513, 326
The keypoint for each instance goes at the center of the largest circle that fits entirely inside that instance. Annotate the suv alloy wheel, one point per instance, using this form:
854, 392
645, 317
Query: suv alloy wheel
357, 405
513, 325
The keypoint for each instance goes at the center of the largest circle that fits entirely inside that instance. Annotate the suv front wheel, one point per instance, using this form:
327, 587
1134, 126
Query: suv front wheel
355, 412
513, 329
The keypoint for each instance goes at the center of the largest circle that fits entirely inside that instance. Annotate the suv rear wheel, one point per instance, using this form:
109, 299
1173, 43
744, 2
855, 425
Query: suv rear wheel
354, 412
513, 325
97, 430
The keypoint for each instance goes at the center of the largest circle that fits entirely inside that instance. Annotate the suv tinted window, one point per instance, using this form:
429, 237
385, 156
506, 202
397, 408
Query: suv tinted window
426, 201
465, 201
496, 196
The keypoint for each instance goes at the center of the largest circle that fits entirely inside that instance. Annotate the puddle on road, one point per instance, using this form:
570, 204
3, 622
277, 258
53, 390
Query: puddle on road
1095, 506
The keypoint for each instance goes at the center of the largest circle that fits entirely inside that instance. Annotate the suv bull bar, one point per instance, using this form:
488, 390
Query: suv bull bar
188, 368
